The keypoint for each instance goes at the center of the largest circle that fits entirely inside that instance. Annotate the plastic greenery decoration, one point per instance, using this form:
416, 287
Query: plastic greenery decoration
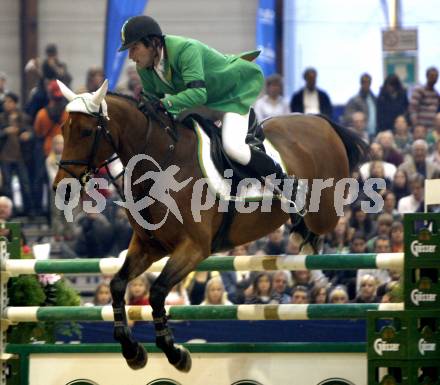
41, 290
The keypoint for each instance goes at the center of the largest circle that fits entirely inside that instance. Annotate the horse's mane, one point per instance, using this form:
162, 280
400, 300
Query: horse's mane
124, 96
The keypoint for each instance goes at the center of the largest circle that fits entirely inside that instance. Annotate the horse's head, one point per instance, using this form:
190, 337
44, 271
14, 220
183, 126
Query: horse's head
87, 141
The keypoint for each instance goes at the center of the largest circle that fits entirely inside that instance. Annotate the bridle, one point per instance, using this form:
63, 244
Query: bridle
101, 131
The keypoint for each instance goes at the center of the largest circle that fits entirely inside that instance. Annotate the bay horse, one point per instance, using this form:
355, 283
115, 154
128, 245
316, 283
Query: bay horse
100, 125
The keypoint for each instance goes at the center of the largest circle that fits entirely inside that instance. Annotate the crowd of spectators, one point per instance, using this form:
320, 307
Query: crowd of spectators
402, 128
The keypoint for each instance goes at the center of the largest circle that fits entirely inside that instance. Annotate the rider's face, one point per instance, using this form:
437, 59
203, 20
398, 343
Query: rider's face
143, 56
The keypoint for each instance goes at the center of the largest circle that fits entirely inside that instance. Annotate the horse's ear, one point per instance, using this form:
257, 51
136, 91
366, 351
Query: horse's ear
99, 95
66, 91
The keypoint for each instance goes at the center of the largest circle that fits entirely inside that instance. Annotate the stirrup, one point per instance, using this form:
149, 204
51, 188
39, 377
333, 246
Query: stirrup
299, 189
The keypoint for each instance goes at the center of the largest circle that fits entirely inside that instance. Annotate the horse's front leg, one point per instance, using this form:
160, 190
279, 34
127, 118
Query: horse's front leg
184, 260
136, 262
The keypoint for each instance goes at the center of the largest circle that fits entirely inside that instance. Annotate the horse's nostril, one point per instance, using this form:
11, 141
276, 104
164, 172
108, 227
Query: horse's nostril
67, 194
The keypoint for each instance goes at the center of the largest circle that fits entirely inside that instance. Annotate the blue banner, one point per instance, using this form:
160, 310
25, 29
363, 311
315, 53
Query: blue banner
117, 13
266, 36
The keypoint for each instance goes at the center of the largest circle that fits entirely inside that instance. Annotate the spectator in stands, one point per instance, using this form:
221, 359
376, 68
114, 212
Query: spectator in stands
280, 287
364, 101
361, 222
303, 278
3, 89
272, 102
400, 185
391, 102
300, 295
319, 295
53, 68
94, 79
376, 153
177, 295
196, 286
390, 152
261, 289
414, 202
15, 131
338, 240
95, 236
418, 161
276, 242
367, 290
377, 170
133, 86
425, 101
434, 158
102, 296
402, 136
358, 123
390, 204
122, 231
215, 293
396, 237
37, 99
6, 209
338, 295
310, 99
138, 291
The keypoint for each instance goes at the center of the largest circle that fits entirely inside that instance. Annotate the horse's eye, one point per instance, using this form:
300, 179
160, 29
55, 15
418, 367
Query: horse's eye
86, 132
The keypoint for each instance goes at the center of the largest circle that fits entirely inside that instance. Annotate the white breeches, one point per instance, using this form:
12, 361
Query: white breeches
234, 131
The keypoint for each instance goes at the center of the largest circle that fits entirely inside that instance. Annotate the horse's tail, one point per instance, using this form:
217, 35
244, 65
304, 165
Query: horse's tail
357, 149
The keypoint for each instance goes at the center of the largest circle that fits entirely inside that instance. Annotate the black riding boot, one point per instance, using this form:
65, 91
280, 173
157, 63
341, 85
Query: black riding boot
263, 165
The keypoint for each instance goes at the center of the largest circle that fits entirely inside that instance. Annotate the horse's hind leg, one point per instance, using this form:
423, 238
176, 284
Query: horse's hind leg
136, 262
183, 261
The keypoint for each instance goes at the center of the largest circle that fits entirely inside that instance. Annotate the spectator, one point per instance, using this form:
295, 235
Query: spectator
390, 152
425, 101
272, 102
37, 99
196, 286
338, 240
319, 295
261, 289
122, 231
384, 222
138, 291
177, 295
389, 207
303, 278
95, 236
300, 295
361, 222
400, 185
396, 237
14, 132
94, 79
3, 90
391, 102
364, 101
53, 68
377, 153
133, 86
215, 293
418, 162
358, 124
402, 136
436, 129
6, 208
377, 171
414, 202
276, 243
435, 157
338, 295
310, 99
367, 290
102, 296
280, 287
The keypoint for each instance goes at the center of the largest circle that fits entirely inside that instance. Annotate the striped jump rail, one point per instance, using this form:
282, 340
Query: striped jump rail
220, 312
111, 265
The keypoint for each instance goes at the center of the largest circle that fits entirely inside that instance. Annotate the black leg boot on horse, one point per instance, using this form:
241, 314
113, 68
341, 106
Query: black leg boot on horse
133, 352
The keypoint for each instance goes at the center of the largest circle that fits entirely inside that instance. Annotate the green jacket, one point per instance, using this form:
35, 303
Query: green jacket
227, 83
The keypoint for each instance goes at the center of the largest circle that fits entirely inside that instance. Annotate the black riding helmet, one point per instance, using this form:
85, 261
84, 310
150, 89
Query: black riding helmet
138, 28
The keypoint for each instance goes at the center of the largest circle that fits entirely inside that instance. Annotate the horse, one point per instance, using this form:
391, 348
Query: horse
102, 124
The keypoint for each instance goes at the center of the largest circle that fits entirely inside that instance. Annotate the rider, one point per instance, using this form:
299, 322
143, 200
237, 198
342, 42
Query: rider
185, 73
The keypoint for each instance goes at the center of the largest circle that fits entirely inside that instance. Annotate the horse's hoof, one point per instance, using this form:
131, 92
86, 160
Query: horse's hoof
185, 362
139, 360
